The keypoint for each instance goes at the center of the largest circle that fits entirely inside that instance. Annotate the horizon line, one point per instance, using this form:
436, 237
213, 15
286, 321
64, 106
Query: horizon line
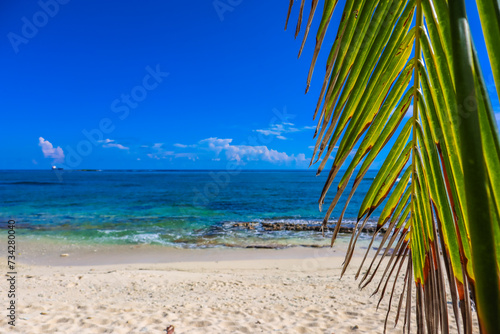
168, 170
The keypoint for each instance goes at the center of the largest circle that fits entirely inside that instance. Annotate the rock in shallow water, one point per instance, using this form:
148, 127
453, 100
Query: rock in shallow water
277, 226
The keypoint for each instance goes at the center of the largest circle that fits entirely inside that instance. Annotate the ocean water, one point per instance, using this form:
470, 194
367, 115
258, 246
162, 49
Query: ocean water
174, 208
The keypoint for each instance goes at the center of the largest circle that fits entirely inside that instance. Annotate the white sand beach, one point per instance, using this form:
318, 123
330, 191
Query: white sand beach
295, 290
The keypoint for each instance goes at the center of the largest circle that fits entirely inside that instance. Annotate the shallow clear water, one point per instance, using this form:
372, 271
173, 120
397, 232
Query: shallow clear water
181, 208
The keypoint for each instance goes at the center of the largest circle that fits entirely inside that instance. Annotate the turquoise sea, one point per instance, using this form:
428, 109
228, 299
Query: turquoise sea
175, 208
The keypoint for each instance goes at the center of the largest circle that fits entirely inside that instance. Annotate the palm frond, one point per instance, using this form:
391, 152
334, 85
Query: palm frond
438, 189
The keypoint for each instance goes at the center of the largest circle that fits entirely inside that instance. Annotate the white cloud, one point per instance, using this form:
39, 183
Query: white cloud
110, 143
268, 132
245, 153
119, 146
158, 152
183, 146
224, 147
190, 156
215, 144
50, 152
281, 128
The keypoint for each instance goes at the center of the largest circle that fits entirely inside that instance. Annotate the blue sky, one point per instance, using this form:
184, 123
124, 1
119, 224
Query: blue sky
158, 84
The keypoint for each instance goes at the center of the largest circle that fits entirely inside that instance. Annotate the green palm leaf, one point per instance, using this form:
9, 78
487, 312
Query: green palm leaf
439, 186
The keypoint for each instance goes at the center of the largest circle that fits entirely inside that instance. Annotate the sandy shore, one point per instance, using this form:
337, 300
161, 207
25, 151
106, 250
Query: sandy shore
198, 291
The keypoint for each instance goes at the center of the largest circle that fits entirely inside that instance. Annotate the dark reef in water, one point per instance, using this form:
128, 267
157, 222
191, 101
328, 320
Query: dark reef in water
279, 226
